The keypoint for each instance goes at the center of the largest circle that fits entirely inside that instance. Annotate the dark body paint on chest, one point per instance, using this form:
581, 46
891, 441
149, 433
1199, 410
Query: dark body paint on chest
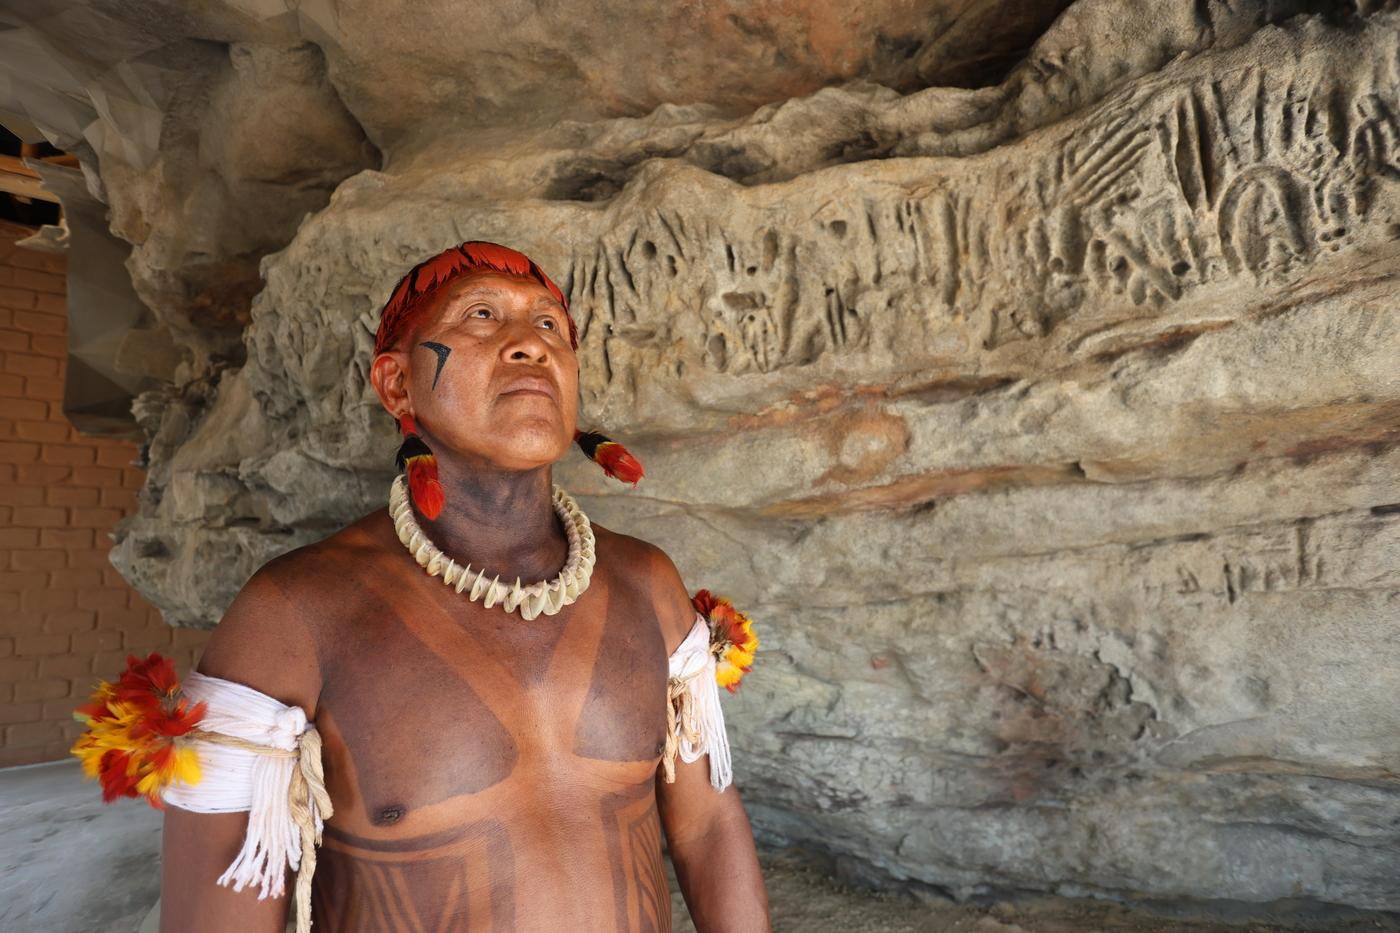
416, 731
423, 723
623, 717
460, 880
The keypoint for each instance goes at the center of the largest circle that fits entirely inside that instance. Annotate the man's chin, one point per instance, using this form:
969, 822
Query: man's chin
528, 450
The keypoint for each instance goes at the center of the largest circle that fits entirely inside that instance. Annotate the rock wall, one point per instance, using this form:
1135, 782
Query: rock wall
1049, 429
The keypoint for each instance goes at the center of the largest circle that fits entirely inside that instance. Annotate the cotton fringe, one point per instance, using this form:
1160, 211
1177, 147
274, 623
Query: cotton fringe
259, 755
694, 719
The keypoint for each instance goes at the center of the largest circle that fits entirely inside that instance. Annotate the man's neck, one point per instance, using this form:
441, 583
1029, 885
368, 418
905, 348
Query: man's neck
503, 521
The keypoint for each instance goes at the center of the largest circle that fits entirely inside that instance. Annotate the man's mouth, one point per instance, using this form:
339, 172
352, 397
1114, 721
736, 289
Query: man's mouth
532, 385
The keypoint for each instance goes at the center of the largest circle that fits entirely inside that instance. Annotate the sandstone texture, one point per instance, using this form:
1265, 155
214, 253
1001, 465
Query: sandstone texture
1045, 416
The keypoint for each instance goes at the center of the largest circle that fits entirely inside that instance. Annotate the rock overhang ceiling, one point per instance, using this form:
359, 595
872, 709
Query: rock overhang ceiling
985, 393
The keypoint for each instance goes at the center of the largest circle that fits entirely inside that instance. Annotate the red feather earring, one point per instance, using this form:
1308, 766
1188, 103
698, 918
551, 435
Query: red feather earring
617, 461
415, 459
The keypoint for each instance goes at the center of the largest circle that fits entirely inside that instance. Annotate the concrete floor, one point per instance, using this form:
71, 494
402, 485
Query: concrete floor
62, 850
70, 864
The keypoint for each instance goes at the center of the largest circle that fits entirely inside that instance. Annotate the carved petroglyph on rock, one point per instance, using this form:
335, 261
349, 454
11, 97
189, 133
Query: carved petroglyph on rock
1162, 191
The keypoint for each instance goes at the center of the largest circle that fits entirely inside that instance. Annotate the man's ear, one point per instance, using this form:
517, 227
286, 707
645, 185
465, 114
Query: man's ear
390, 381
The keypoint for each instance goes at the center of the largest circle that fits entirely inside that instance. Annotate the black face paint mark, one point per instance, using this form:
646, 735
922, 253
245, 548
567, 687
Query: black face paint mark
441, 352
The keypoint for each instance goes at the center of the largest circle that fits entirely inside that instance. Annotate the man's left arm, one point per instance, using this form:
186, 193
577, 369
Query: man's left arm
713, 851
707, 831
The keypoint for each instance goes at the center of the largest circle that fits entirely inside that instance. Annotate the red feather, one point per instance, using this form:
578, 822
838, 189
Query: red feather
424, 486
115, 781
617, 461
181, 719
147, 681
704, 602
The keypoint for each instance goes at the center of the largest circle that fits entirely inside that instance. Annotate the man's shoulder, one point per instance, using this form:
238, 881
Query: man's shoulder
303, 567
299, 580
649, 570
270, 636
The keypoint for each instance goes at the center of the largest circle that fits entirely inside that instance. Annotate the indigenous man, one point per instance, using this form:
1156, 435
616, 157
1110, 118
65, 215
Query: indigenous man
487, 769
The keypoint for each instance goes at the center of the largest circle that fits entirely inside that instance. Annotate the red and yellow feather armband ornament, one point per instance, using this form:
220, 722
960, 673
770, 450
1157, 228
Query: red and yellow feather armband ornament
133, 741
732, 640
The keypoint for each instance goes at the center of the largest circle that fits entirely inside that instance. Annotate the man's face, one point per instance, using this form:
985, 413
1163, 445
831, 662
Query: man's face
481, 335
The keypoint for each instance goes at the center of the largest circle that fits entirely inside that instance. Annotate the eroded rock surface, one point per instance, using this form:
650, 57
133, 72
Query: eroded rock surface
1048, 428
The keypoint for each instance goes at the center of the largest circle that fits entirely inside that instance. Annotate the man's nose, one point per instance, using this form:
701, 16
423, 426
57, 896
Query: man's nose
524, 341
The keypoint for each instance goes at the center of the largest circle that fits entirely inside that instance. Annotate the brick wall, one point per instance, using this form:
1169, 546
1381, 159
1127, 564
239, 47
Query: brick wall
68, 617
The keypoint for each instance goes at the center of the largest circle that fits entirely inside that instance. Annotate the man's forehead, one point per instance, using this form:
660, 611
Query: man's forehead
488, 283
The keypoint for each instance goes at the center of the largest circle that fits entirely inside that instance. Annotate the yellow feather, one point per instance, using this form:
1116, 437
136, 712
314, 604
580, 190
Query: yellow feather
186, 768
726, 674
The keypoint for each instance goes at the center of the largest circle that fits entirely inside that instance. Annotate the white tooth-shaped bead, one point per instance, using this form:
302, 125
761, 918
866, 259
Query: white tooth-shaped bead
414, 540
464, 577
479, 586
424, 553
540, 604
435, 563
494, 593
451, 572
513, 597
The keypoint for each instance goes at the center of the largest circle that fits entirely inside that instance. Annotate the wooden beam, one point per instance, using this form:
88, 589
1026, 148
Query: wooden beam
19, 179
31, 151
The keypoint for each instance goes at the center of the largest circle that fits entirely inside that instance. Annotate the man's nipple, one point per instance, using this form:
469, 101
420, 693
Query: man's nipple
388, 816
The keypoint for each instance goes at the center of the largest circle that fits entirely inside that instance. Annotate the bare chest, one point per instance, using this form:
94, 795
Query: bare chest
437, 710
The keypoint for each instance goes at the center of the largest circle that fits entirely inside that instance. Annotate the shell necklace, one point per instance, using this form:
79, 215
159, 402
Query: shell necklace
546, 596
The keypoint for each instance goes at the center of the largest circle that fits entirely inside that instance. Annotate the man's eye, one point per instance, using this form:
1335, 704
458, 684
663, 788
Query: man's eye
474, 310
552, 323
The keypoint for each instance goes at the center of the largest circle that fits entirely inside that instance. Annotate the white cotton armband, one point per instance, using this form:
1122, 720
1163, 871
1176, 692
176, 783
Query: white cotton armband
236, 778
700, 726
